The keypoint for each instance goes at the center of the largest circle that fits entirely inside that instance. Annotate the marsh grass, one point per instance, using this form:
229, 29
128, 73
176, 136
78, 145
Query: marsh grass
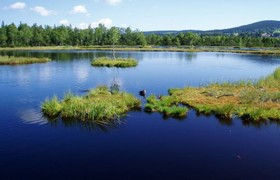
166, 105
99, 106
51, 107
248, 100
11, 60
119, 62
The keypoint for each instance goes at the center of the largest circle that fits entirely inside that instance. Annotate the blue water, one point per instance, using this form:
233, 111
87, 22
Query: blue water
144, 146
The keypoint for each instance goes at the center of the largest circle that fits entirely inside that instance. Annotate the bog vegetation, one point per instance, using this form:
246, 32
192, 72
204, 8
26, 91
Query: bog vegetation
167, 105
119, 62
11, 60
248, 100
100, 106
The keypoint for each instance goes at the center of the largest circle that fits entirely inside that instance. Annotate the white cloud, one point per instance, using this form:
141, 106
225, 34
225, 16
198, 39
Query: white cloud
124, 25
80, 9
105, 21
17, 5
83, 25
113, 2
64, 22
42, 11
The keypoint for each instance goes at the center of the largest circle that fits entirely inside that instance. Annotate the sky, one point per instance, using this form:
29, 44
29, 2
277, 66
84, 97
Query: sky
144, 15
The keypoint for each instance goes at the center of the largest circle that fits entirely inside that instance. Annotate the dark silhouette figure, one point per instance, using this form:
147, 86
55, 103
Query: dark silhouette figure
143, 93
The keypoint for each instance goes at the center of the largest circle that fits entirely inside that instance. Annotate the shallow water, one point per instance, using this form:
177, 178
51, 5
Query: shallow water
144, 146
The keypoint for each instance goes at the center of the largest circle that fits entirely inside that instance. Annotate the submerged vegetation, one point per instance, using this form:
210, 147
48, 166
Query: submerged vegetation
247, 100
99, 106
11, 60
119, 62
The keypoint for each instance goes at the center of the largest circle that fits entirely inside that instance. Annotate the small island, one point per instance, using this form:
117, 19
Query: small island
12, 60
99, 105
118, 62
247, 100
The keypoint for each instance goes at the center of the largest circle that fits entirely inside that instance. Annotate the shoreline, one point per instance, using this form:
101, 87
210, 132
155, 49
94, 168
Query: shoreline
224, 49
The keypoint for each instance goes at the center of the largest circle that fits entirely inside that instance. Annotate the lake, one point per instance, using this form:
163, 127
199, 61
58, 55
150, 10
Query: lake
144, 145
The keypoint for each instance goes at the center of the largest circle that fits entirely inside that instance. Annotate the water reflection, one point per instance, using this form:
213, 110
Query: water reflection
69, 55
259, 124
116, 84
230, 121
32, 116
82, 72
86, 125
225, 121
22, 75
188, 56
45, 73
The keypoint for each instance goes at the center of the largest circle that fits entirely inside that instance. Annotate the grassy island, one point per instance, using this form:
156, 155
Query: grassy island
11, 60
119, 62
99, 106
247, 100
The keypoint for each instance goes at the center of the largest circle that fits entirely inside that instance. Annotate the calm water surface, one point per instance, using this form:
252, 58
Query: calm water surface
145, 146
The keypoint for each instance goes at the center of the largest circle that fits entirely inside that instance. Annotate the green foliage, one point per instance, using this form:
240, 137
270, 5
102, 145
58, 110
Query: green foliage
24, 36
119, 62
51, 107
99, 106
245, 99
175, 111
172, 90
11, 60
271, 81
166, 105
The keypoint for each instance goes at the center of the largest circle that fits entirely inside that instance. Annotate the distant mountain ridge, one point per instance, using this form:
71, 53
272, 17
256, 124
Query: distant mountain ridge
268, 26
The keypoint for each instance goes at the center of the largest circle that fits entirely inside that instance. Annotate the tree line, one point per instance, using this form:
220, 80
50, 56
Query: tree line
24, 35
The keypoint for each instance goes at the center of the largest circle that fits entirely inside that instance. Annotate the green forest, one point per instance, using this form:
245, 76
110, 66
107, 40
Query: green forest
24, 35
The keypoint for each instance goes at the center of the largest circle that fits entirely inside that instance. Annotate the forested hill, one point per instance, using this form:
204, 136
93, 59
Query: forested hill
258, 27
254, 28
24, 35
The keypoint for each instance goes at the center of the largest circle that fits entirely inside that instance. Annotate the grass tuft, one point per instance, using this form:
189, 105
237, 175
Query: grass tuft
99, 106
119, 62
166, 105
11, 60
51, 107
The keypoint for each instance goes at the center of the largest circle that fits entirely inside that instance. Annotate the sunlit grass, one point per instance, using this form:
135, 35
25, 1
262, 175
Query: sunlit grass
119, 62
252, 101
99, 106
11, 60
166, 105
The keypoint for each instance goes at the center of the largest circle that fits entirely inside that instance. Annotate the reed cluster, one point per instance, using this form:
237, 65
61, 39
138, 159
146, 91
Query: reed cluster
99, 105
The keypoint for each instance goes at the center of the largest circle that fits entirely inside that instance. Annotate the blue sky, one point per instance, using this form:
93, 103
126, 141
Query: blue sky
140, 14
